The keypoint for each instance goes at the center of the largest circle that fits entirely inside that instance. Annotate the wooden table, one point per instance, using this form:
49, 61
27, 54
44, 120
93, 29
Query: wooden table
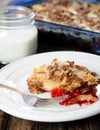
8, 122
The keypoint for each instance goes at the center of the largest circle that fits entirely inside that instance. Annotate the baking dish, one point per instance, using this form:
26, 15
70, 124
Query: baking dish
87, 40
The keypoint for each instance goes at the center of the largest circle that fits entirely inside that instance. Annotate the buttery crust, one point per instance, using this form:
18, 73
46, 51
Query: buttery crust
75, 14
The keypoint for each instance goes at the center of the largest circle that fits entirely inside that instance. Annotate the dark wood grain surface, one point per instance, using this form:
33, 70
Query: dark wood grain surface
8, 122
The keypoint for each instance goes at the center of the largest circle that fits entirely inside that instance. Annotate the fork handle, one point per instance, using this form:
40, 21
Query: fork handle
10, 88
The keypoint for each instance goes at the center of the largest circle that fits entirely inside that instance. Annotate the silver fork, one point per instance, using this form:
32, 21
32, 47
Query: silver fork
34, 100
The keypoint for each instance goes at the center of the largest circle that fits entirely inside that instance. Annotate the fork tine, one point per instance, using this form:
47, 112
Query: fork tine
49, 101
29, 99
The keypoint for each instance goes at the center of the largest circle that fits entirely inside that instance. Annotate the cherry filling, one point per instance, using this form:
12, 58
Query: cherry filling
56, 92
72, 98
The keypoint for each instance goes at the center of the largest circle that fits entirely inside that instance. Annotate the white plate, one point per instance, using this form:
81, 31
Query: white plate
17, 72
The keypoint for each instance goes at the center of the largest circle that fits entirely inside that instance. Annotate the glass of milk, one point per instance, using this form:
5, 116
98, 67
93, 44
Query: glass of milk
18, 33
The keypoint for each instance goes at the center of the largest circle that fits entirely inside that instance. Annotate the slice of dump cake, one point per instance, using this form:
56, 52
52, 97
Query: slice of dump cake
65, 77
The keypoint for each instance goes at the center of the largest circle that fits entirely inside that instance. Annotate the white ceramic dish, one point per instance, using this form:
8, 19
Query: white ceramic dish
16, 73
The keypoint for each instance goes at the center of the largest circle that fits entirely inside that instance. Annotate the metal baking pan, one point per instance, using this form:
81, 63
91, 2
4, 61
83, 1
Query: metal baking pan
85, 38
